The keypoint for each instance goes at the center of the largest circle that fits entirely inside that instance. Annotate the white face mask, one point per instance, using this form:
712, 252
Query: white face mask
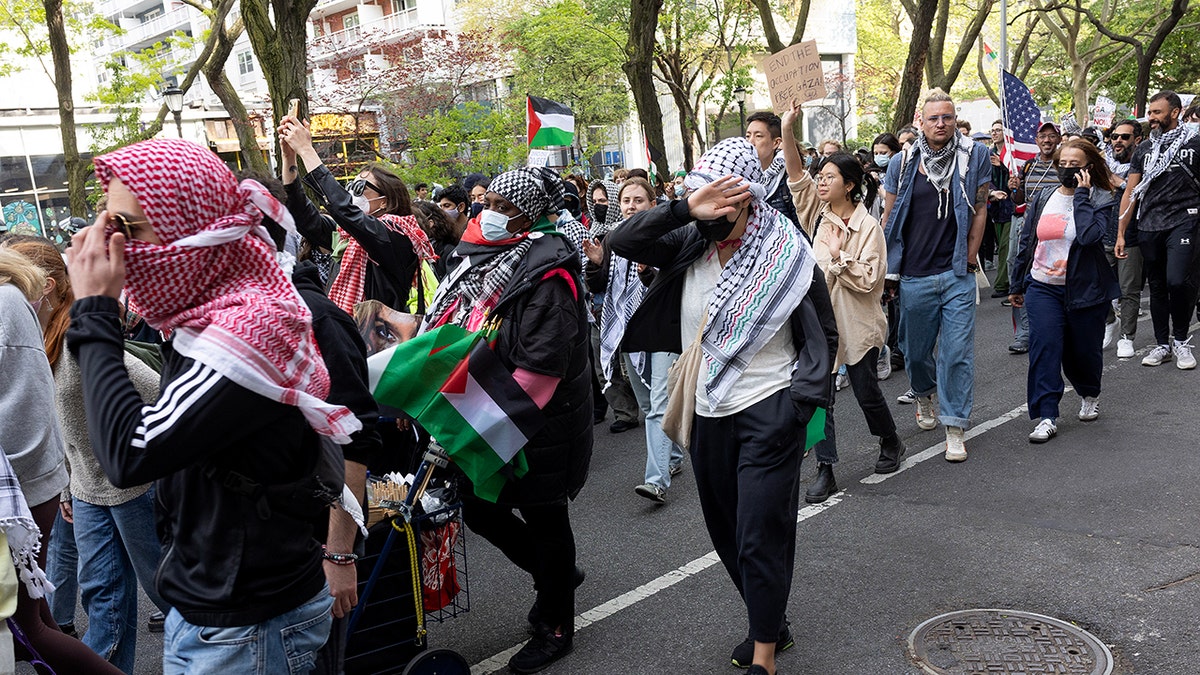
494, 225
1194, 126
362, 204
881, 161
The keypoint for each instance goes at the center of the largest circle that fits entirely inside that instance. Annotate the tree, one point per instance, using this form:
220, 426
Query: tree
639, 70
914, 65
766, 13
467, 137
937, 72
278, 36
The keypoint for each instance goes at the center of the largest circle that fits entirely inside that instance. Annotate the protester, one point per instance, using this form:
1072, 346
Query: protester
1163, 189
1125, 136
382, 246
1000, 210
33, 447
1035, 176
524, 272
849, 249
934, 219
185, 241
620, 282
114, 529
906, 136
828, 147
765, 134
443, 232
765, 369
1065, 283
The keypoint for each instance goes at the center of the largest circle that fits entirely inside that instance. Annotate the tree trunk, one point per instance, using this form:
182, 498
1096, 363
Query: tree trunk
280, 44
61, 52
639, 70
914, 66
214, 72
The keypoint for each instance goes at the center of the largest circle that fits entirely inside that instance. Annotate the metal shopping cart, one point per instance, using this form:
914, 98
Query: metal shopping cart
414, 571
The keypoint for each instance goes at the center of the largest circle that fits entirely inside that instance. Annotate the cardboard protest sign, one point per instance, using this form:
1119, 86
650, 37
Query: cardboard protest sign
794, 73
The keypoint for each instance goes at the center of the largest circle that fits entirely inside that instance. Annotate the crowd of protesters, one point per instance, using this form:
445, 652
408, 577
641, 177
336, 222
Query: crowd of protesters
721, 309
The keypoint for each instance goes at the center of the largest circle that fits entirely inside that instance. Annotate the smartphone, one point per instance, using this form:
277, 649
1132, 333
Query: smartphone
294, 108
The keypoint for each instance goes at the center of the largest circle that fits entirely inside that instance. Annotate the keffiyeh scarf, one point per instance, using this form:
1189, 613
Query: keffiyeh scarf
349, 287
24, 537
774, 172
535, 190
622, 298
220, 292
613, 215
761, 285
1163, 148
940, 167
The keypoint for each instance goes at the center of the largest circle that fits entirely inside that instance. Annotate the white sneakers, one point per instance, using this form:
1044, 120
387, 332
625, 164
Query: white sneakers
927, 415
1158, 355
1110, 332
1183, 354
1089, 409
956, 451
1044, 431
883, 367
1125, 347
843, 381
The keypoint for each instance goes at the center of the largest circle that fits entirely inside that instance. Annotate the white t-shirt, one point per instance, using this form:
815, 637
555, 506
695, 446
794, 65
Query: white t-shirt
1055, 233
768, 372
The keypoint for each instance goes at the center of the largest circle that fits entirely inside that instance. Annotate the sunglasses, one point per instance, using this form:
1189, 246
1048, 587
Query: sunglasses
1120, 137
356, 187
119, 222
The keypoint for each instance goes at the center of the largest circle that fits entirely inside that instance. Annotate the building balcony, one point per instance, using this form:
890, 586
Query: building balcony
145, 34
357, 39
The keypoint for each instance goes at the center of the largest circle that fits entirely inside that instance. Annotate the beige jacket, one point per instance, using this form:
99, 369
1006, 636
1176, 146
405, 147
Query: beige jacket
855, 278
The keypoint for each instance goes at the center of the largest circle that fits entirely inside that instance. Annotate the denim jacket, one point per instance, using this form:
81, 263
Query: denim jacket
979, 173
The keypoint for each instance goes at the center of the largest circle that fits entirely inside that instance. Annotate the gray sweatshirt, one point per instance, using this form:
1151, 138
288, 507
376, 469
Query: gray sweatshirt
88, 481
29, 430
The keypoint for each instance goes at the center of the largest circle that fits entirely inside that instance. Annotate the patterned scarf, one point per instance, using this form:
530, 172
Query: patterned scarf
24, 537
761, 285
1163, 148
613, 215
349, 287
221, 292
775, 171
939, 167
535, 190
622, 298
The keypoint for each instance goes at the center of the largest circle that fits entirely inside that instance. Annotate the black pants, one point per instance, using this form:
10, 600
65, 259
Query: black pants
541, 543
1167, 256
747, 468
864, 382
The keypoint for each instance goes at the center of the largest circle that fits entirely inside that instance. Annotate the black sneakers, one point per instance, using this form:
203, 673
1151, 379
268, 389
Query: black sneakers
545, 648
743, 654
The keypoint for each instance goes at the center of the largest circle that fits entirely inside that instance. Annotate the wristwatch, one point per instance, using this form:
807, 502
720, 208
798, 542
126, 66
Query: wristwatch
972, 267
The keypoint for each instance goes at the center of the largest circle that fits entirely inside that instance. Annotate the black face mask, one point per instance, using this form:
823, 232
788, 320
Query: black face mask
476, 209
600, 212
715, 230
1069, 177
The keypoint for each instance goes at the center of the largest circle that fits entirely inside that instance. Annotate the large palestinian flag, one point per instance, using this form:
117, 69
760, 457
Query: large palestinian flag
550, 122
455, 386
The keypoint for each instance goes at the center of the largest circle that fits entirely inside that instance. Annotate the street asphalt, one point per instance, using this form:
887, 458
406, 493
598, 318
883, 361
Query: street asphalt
1099, 527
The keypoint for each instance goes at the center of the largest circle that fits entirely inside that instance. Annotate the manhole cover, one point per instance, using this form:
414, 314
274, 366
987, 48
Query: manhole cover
995, 641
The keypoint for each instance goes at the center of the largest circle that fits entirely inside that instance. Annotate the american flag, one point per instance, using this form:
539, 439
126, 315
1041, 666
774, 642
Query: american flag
1021, 120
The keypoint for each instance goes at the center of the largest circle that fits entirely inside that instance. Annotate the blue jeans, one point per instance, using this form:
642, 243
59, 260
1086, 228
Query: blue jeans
287, 643
118, 548
939, 311
62, 563
661, 452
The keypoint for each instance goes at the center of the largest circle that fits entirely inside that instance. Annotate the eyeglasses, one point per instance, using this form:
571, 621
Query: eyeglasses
941, 119
997, 131
1120, 137
119, 222
822, 179
1046, 137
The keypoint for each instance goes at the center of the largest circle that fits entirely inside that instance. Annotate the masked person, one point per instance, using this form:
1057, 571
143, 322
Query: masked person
518, 268
233, 441
740, 277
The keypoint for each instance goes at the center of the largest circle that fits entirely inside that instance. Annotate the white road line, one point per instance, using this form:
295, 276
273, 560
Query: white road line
604, 610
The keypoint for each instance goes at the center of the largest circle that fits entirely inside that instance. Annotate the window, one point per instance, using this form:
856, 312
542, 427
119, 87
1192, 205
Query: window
350, 25
245, 61
403, 5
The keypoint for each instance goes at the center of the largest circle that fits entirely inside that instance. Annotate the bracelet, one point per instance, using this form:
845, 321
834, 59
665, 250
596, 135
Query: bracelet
338, 558
972, 267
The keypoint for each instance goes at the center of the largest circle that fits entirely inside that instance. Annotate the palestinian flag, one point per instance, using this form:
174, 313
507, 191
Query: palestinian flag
455, 386
991, 53
550, 122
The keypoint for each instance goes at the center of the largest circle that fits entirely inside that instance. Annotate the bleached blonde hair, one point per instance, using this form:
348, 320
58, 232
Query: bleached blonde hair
21, 272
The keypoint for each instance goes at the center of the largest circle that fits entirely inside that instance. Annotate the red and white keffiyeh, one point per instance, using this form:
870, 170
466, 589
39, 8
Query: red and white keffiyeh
349, 288
222, 293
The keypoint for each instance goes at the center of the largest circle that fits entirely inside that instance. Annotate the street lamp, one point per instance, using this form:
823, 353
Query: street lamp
173, 97
739, 94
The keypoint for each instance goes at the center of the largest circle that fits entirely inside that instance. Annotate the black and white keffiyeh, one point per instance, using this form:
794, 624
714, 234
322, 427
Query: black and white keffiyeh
774, 172
1163, 148
622, 298
940, 166
24, 537
469, 294
612, 215
535, 190
761, 285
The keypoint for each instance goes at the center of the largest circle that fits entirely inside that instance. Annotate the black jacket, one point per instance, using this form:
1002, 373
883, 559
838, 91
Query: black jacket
1090, 279
662, 237
390, 277
345, 358
224, 563
544, 330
